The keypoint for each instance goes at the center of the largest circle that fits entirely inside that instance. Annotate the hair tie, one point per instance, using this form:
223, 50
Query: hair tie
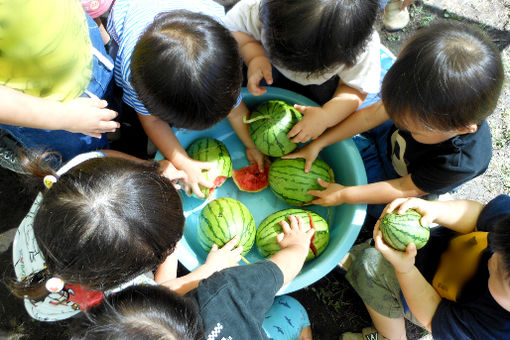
49, 180
54, 284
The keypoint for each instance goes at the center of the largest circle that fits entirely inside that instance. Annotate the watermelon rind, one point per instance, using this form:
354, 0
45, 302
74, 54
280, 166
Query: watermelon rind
400, 230
211, 150
290, 183
270, 227
269, 125
222, 219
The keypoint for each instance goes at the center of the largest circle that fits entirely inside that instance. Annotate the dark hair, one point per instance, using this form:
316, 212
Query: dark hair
186, 69
104, 222
500, 241
447, 76
141, 312
315, 35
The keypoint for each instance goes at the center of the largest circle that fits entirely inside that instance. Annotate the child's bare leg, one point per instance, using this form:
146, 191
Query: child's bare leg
306, 333
393, 329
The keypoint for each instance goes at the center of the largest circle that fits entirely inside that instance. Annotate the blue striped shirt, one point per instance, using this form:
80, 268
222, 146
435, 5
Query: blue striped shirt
128, 20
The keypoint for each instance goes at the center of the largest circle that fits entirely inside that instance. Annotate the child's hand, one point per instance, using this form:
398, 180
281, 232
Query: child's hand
225, 257
332, 195
194, 178
426, 208
170, 171
258, 68
255, 156
403, 262
312, 125
295, 234
89, 116
309, 152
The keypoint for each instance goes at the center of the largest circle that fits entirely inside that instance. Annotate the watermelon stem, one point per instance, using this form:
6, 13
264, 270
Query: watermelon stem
245, 260
246, 121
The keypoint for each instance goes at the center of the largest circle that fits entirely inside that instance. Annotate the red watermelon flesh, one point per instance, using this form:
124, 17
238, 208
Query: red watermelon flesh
250, 179
218, 181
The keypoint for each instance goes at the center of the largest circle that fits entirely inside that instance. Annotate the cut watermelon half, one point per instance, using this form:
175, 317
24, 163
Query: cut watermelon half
250, 179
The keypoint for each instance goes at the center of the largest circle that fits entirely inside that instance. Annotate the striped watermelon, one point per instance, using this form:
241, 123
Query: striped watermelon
290, 183
270, 228
212, 150
269, 125
400, 230
221, 220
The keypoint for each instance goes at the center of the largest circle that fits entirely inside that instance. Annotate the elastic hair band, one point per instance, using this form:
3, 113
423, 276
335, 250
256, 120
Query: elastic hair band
54, 284
49, 180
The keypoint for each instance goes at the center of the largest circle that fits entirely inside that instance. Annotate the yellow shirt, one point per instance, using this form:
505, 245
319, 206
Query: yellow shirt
45, 49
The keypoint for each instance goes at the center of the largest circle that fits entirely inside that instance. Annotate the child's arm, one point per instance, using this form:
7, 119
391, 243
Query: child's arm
81, 115
295, 242
317, 119
360, 121
373, 193
235, 117
420, 296
458, 215
165, 140
218, 259
256, 60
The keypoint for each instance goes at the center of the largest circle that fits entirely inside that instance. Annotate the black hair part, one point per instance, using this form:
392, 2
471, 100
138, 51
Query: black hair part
103, 223
447, 76
315, 35
500, 241
186, 69
141, 312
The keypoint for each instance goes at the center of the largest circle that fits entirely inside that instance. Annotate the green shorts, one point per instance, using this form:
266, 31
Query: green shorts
374, 279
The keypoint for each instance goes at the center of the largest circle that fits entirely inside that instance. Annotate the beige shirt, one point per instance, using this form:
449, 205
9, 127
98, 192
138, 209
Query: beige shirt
363, 76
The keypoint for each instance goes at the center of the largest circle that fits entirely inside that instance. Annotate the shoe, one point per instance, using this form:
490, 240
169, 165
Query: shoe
395, 19
369, 333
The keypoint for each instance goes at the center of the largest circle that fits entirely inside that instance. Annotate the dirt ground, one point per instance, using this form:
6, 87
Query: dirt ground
332, 304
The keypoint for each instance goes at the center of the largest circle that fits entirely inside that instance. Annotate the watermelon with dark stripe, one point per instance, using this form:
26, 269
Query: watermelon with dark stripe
221, 220
400, 230
212, 150
290, 183
269, 125
270, 228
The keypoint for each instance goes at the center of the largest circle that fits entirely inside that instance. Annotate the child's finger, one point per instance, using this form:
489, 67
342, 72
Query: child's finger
280, 237
300, 108
300, 224
310, 233
411, 250
323, 183
268, 75
214, 247
296, 129
293, 222
196, 190
232, 243
285, 226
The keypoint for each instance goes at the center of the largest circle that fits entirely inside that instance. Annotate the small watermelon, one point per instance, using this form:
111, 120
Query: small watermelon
221, 220
290, 183
250, 179
212, 150
400, 230
269, 125
270, 228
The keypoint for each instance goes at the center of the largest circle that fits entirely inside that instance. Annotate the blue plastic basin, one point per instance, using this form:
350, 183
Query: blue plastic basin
345, 221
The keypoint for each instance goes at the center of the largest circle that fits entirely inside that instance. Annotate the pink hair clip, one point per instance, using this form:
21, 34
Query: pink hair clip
54, 284
49, 180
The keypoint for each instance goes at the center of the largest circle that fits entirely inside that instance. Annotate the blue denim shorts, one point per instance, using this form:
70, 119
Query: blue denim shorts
70, 144
373, 148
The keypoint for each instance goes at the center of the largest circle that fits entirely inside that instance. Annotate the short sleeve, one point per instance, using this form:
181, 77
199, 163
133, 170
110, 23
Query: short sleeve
244, 17
365, 75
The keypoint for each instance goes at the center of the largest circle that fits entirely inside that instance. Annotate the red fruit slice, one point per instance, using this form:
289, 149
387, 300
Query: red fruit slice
250, 179
218, 181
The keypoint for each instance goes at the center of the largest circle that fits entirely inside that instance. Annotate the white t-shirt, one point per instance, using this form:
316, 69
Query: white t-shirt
363, 76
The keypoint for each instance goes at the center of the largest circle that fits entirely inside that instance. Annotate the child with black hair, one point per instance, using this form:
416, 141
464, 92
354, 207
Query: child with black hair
457, 286
228, 305
444, 84
101, 225
179, 68
325, 50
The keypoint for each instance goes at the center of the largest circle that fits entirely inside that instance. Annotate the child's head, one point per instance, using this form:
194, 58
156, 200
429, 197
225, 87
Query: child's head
141, 312
104, 222
186, 69
446, 78
315, 35
499, 264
